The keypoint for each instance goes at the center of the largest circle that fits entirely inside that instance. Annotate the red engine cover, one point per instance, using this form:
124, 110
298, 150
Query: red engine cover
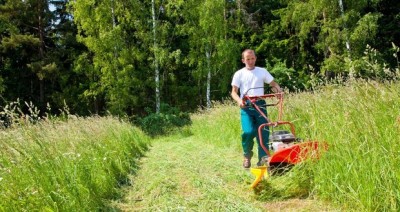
296, 153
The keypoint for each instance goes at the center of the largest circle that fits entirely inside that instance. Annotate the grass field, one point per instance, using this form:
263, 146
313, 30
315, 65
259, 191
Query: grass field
67, 166
84, 164
360, 122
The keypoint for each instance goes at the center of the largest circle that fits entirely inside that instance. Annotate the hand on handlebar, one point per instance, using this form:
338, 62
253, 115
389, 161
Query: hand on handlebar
276, 90
245, 103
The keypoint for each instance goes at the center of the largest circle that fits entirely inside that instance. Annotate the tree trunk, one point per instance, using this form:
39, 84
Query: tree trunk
156, 70
208, 95
41, 47
347, 39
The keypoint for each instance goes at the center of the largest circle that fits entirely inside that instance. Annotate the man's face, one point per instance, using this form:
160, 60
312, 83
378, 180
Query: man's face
249, 59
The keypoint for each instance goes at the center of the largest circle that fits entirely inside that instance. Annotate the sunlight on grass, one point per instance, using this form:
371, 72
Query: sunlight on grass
190, 174
83, 164
71, 166
360, 122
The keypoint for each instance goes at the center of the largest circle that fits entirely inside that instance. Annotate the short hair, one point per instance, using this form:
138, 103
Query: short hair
247, 50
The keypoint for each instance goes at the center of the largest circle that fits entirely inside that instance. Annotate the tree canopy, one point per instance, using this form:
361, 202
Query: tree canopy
102, 56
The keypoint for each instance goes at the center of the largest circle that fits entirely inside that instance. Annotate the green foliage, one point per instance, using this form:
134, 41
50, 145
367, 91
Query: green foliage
2, 89
37, 49
213, 54
289, 78
318, 37
164, 122
371, 66
114, 72
103, 59
333, 64
364, 33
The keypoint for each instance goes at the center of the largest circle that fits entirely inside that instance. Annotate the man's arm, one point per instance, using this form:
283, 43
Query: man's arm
275, 87
235, 95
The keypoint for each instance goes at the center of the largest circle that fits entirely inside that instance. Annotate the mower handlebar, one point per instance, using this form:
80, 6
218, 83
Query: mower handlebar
249, 100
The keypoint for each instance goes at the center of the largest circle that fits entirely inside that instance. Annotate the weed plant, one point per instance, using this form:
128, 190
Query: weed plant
74, 165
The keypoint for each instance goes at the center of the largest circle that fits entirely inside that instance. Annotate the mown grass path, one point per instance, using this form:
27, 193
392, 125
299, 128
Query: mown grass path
188, 175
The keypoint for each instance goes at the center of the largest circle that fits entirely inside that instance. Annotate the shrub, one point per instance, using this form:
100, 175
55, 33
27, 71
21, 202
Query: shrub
167, 120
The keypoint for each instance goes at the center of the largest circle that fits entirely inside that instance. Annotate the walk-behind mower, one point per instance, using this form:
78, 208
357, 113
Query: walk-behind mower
285, 149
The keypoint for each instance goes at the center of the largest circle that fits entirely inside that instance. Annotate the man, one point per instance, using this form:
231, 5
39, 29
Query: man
243, 80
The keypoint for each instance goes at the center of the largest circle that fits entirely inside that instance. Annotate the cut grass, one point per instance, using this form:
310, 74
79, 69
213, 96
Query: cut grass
188, 174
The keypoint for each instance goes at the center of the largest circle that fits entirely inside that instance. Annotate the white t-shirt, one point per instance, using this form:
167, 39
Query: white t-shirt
246, 79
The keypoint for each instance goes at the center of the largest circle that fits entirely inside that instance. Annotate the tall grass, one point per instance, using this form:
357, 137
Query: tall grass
66, 166
78, 165
219, 125
360, 122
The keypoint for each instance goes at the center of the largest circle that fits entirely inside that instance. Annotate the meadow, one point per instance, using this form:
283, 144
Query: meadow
360, 122
73, 165
94, 163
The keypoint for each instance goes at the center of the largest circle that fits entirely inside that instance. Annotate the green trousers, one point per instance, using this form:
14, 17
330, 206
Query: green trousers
251, 120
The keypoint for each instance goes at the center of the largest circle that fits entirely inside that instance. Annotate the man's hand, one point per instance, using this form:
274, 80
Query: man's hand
275, 87
235, 96
241, 104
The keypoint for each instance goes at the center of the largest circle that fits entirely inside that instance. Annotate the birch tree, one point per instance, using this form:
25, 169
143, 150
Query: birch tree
208, 37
